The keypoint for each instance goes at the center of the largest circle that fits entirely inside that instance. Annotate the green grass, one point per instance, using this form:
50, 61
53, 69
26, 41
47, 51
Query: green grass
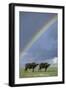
53, 71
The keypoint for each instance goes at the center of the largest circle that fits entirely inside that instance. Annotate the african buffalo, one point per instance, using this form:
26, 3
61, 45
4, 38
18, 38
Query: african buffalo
30, 66
44, 65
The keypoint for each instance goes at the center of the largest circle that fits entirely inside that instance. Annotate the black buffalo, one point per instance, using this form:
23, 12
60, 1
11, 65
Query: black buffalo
44, 65
30, 66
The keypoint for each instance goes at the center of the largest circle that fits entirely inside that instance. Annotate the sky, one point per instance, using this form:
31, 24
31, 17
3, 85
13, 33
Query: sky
45, 47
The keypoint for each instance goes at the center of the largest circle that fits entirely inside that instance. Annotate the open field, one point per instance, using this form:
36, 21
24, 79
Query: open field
52, 71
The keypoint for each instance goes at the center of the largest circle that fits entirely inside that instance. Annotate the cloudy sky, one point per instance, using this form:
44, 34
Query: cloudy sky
43, 48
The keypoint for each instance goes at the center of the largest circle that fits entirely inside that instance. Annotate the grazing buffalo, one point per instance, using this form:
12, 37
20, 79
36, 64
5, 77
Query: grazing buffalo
44, 65
30, 66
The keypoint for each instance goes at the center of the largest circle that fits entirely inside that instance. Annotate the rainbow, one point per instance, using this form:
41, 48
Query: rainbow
37, 36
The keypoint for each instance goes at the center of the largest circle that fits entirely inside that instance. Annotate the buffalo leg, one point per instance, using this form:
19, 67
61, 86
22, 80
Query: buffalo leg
33, 70
45, 69
25, 69
39, 69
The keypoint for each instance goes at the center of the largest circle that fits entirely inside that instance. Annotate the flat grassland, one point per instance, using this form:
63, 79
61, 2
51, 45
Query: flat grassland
52, 71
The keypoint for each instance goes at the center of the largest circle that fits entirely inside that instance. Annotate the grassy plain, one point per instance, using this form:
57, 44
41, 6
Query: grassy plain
52, 71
